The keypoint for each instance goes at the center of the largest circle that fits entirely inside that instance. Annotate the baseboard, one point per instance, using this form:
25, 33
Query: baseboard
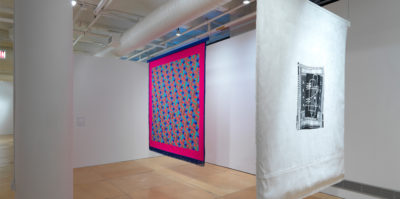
367, 190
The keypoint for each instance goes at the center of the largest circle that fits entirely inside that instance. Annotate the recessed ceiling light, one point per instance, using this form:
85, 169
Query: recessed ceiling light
178, 32
245, 2
73, 3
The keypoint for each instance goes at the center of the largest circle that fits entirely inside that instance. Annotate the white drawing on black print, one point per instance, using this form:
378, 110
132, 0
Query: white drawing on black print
310, 97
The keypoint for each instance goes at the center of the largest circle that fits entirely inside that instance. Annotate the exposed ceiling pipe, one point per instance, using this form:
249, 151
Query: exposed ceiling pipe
114, 42
92, 33
93, 42
123, 14
157, 45
6, 20
118, 13
77, 39
235, 22
97, 13
163, 20
111, 15
107, 12
100, 29
193, 28
96, 18
129, 18
100, 6
104, 52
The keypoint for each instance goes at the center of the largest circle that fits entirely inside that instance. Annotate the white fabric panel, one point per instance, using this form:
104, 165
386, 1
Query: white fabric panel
293, 163
231, 103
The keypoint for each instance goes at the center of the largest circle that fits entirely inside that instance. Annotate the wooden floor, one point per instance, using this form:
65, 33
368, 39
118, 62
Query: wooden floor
165, 178
6, 166
154, 178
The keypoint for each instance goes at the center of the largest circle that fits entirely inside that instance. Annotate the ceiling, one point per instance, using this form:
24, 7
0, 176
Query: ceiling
6, 15
118, 17
6, 18
93, 34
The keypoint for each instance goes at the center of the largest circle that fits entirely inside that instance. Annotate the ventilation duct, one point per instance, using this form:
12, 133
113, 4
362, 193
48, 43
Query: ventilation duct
163, 20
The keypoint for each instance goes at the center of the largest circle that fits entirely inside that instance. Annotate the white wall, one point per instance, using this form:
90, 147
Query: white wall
230, 103
111, 111
372, 131
111, 107
6, 107
43, 99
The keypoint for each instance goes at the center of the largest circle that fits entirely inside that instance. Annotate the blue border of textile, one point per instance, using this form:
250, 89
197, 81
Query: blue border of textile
179, 49
181, 157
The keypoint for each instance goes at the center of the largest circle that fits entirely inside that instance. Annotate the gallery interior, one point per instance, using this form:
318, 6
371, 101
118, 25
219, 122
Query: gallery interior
202, 99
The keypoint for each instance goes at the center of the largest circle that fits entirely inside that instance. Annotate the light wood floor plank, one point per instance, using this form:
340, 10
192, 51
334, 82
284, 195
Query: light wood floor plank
6, 166
152, 178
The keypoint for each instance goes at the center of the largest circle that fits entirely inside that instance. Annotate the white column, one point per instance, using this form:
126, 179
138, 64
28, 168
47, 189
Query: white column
43, 99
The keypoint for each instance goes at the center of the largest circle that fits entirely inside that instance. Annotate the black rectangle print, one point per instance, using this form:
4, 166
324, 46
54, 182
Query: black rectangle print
311, 90
310, 97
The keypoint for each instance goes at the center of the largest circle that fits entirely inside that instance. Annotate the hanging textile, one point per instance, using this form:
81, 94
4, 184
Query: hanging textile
176, 103
300, 98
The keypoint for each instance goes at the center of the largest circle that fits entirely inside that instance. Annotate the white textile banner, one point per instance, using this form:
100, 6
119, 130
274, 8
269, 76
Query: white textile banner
300, 98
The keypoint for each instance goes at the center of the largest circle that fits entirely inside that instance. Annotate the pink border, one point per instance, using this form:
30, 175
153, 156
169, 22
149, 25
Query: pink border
198, 49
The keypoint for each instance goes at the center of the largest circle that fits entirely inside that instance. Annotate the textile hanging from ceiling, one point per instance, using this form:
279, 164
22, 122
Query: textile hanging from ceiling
176, 103
300, 98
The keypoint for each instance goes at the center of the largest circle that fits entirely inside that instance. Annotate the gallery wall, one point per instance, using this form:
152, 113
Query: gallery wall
372, 91
6, 107
230, 103
110, 111
111, 101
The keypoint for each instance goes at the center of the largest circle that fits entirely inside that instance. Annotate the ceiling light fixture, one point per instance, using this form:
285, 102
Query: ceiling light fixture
245, 2
178, 32
73, 3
